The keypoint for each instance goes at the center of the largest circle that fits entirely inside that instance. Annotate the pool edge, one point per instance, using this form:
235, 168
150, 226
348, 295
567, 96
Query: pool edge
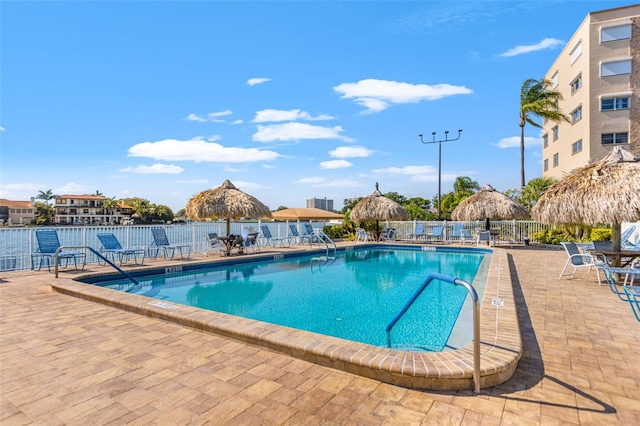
501, 343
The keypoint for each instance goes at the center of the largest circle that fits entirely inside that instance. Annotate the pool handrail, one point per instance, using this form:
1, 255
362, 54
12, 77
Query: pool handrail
476, 319
94, 251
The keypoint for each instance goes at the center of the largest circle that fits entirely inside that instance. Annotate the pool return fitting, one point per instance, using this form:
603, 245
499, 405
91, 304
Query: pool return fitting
476, 319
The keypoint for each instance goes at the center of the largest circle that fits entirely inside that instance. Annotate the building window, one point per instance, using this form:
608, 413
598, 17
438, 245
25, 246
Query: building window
554, 80
614, 138
576, 84
576, 114
576, 52
556, 133
576, 147
612, 104
545, 140
546, 164
556, 160
621, 67
618, 32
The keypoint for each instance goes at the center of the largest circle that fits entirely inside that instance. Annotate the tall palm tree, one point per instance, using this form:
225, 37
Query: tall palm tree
537, 99
110, 204
46, 196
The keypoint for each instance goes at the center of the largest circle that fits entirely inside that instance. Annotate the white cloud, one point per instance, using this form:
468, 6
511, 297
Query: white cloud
335, 164
2, 129
407, 170
547, 43
350, 152
199, 150
193, 181
257, 80
446, 177
276, 115
213, 117
71, 188
237, 122
155, 169
20, 191
514, 142
297, 131
314, 179
378, 95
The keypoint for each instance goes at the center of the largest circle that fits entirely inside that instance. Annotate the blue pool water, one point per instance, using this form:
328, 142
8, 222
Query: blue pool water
353, 296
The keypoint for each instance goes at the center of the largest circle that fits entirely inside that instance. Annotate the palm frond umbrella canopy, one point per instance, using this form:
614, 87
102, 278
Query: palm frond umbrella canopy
378, 207
225, 201
305, 213
604, 192
487, 204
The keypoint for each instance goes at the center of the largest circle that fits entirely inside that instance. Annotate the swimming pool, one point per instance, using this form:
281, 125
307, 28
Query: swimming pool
352, 295
500, 340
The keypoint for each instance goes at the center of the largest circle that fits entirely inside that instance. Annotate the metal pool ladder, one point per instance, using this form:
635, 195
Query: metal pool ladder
476, 319
94, 251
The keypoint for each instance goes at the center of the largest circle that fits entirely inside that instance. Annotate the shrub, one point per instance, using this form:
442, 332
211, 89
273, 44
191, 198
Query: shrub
601, 234
335, 231
552, 236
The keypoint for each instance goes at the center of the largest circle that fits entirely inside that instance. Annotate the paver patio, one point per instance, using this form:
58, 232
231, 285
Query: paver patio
65, 360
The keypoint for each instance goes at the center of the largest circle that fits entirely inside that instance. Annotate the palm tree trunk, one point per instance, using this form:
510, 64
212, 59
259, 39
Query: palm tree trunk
522, 181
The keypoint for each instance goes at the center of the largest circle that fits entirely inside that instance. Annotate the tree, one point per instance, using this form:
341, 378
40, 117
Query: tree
110, 204
46, 196
44, 213
537, 99
98, 193
463, 187
530, 194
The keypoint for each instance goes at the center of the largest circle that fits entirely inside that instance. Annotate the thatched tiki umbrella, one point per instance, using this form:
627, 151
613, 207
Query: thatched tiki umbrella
487, 204
605, 192
225, 201
378, 207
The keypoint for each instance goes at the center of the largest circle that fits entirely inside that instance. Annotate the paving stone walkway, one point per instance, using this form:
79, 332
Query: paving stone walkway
67, 361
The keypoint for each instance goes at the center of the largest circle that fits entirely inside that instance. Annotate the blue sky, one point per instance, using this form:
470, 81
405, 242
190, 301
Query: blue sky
288, 100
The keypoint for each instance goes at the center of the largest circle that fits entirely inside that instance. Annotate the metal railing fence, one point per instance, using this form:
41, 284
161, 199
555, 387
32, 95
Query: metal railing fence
18, 243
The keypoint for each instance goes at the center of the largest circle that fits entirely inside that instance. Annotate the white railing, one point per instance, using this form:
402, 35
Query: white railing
17, 244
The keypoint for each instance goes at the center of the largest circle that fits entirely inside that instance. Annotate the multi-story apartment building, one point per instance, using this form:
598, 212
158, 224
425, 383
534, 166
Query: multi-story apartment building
17, 212
598, 74
320, 203
88, 209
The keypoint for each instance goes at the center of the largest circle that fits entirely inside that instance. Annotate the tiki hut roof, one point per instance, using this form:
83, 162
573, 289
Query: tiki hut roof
488, 203
302, 213
225, 201
604, 192
378, 207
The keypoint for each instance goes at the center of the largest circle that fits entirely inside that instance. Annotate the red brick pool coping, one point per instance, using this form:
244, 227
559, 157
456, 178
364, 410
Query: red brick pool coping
501, 343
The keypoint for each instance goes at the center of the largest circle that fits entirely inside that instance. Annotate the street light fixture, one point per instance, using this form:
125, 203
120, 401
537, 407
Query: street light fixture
439, 142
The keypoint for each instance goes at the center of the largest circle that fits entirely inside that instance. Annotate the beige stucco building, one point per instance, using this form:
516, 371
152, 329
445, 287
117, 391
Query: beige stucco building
88, 209
598, 74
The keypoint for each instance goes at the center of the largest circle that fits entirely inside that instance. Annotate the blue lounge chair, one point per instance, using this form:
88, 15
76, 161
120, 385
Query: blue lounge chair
161, 242
418, 232
465, 235
271, 240
456, 234
294, 235
436, 234
48, 244
484, 237
310, 234
113, 250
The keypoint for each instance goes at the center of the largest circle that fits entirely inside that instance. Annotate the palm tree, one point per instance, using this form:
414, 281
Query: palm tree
46, 196
98, 193
537, 99
110, 204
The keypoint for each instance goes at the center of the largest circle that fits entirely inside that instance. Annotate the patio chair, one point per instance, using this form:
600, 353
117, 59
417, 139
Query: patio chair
271, 240
48, 244
214, 244
418, 232
362, 236
484, 237
310, 234
618, 290
295, 235
578, 260
633, 297
249, 241
161, 242
436, 234
465, 235
112, 250
456, 234
389, 234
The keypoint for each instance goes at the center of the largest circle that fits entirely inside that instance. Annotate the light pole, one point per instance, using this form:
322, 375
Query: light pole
439, 142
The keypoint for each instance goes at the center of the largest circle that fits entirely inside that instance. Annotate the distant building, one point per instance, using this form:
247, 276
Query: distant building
16, 212
598, 75
88, 209
320, 203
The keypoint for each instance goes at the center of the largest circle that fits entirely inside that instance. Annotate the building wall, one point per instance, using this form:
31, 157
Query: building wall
17, 212
320, 203
594, 122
